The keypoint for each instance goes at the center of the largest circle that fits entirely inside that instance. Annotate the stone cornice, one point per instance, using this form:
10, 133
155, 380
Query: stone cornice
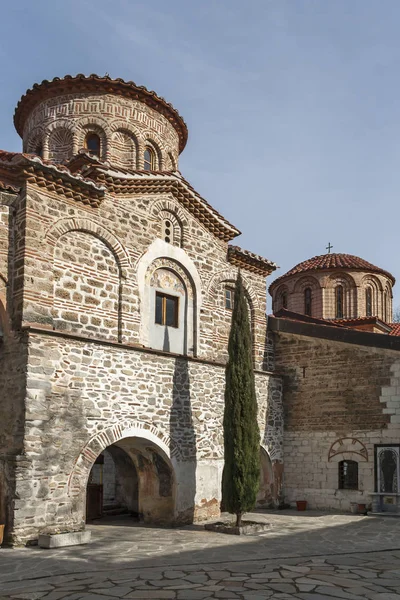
167, 182
249, 261
55, 178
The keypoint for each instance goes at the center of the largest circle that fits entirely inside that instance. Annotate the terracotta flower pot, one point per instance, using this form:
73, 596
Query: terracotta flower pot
301, 504
362, 509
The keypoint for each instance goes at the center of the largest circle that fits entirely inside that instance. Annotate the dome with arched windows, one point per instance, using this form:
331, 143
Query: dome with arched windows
335, 286
111, 120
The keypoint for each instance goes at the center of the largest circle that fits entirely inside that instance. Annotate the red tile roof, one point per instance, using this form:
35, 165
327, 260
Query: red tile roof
395, 328
94, 83
253, 262
331, 262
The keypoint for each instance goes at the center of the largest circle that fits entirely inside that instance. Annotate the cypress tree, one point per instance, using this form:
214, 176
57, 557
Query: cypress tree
240, 480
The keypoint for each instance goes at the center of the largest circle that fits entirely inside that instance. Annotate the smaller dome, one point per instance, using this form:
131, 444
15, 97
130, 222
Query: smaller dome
330, 262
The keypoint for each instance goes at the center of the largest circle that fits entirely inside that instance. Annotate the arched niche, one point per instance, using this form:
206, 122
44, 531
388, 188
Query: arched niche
161, 255
348, 295
60, 145
124, 149
86, 286
170, 307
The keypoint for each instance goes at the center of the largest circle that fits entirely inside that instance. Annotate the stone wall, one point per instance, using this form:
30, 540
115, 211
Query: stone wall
50, 229
340, 399
86, 394
13, 365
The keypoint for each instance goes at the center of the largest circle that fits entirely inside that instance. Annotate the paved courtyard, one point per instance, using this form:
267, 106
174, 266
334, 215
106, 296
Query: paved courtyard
308, 556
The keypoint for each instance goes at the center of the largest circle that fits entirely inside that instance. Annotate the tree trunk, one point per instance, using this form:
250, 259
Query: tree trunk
239, 519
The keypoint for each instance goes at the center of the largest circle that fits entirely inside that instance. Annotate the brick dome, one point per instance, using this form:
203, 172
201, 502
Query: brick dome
330, 262
332, 286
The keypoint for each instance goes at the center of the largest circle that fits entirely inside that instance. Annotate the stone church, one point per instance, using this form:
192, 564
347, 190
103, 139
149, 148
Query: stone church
116, 291
116, 295
339, 356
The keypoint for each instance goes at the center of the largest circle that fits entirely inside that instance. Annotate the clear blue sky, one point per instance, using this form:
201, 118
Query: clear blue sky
292, 106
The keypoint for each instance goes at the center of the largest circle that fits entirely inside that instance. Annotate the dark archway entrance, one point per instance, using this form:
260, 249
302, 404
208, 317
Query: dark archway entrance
132, 477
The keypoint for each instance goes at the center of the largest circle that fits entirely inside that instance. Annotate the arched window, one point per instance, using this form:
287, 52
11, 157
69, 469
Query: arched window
92, 144
307, 302
149, 159
368, 302
348, 475
339, 302
284, 300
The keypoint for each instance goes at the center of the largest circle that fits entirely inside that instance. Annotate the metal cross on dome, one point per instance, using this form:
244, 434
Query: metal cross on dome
329, 247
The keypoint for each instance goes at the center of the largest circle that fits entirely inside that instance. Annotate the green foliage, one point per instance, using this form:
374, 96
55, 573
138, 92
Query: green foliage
240, 480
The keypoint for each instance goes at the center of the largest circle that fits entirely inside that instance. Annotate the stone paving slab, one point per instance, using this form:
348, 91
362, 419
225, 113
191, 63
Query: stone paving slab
286, 562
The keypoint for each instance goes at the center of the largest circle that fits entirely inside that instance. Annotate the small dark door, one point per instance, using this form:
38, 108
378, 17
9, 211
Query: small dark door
94, 491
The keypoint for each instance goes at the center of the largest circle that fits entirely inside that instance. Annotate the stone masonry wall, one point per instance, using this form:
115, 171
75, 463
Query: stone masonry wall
339, 400
78, 388
13, 367
127, 226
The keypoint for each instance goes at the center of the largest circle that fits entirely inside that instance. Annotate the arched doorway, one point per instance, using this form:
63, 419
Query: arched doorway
134, 477
265, 496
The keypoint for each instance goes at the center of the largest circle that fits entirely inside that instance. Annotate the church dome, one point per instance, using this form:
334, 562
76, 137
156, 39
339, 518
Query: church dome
113, 120
335, 286
331, 262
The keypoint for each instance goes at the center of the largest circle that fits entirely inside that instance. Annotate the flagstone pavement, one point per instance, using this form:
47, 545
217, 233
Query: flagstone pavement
309, 556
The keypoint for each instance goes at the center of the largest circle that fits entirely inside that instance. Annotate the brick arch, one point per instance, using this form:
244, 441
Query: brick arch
160, 210
157, 145
373, 281
168, 205
306, 281
110, 435
229, 275
124, 126
60, 124
94, 124
60, 144
113, 148
66, 225
346, 448
344, 279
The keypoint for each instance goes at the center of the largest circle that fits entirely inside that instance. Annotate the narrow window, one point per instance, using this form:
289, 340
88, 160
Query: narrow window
368, 302
284, 299
307, 302
348, 475
149, 160
385, 307
339, 301
229, 293
168, 232
166, 310
92, 144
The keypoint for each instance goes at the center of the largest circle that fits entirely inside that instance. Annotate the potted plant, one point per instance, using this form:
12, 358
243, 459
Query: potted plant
301, 504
